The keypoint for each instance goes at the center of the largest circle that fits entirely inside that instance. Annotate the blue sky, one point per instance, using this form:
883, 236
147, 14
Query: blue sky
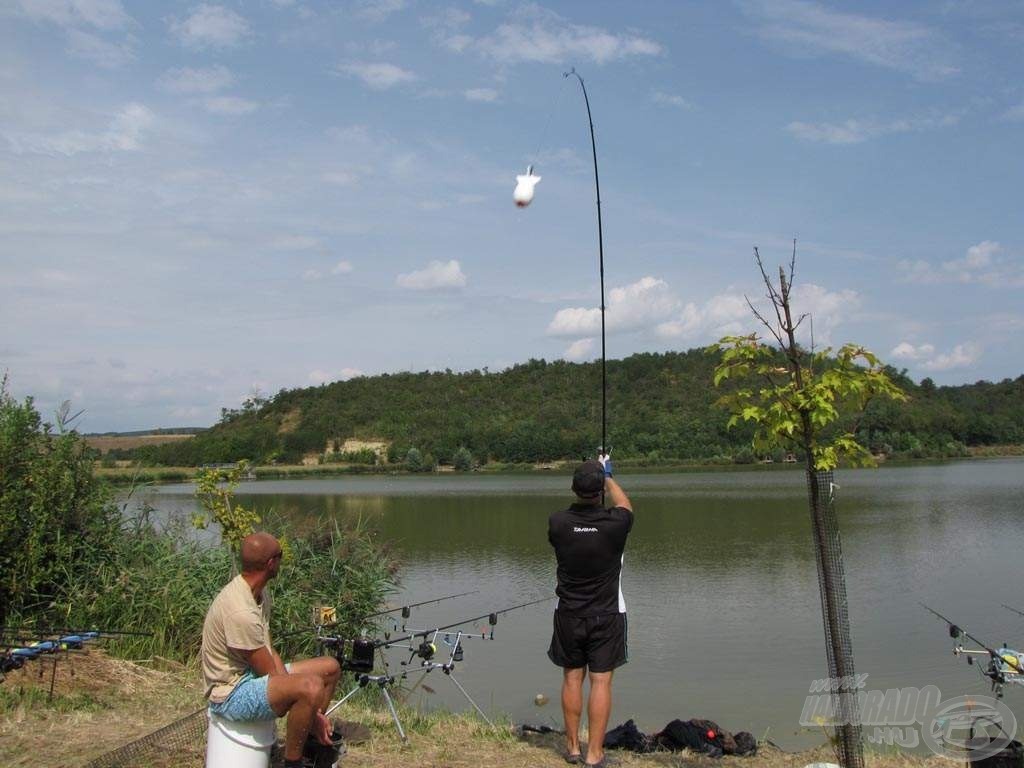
199, 201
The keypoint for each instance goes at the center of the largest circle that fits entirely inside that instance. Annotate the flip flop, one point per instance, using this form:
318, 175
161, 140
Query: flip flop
573, 759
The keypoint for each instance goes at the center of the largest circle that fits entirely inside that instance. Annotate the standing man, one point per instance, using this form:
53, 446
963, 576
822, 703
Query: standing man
590, 618
245, 678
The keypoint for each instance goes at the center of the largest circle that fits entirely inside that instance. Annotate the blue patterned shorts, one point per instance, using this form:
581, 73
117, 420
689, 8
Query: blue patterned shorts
248, 701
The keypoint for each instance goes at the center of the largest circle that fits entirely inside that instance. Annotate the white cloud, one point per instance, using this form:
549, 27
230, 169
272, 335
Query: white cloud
378, 75
101, 14
802, 28
342, 268
488, 95
536, 35
106, 54
670, 100
319, 376
294, 243
580, 350
190, 81
722, 314
629, 308
437, 274
1015, 113
211, 26
124, 133
311, 274
925, 357
859, 131
377, 11
982, 263
230, 105
341, 178
907, 351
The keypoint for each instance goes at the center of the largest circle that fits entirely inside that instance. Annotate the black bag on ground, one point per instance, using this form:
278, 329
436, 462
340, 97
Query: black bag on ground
628, 736
679, 735
746, 744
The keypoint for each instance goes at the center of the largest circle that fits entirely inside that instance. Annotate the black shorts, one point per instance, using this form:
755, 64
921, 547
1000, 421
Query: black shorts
597, 642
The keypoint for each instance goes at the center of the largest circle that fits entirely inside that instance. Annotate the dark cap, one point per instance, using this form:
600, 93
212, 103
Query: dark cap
588, 479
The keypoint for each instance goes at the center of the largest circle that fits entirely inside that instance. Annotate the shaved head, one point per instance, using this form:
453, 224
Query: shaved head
258, 549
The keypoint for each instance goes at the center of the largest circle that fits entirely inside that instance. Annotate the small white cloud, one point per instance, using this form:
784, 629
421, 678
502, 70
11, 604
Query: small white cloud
437, 274
311, 275
378, 75
342, 268
319, 376
924, 355
487, 95
125, 133
859, 131
629, 308
580, 350
230, 105
341, 178
106, 54
376, 11
907, 351
211, 26
1015, 113
101, 14
982, 264
537, 35
803, 28
961, 356
294, 243
190, 81
670, 100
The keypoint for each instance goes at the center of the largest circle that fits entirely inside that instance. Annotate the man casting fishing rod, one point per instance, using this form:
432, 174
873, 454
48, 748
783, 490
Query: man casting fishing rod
590, 618
244, 676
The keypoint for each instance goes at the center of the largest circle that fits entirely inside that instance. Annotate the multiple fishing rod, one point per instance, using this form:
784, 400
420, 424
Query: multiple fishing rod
1005, 665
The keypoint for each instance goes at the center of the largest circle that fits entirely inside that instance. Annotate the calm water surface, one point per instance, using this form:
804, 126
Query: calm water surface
719, 579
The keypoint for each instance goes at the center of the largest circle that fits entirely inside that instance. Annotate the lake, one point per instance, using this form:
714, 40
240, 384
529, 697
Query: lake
719, 579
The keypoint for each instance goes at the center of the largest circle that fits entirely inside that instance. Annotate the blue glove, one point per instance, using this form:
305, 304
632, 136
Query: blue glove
606, 462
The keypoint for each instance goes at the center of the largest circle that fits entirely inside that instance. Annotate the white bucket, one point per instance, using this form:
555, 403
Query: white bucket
239, 743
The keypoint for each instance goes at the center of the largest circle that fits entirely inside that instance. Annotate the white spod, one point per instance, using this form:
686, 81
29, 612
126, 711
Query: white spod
523, 194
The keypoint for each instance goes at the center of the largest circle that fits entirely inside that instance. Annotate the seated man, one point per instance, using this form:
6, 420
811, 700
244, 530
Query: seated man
244, 677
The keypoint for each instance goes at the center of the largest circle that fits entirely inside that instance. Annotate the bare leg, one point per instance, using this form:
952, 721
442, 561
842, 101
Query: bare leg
572, 707
299, 696
327, 669
599, 708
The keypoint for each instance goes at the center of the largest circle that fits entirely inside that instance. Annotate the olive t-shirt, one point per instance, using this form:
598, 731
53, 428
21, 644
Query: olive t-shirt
234, 622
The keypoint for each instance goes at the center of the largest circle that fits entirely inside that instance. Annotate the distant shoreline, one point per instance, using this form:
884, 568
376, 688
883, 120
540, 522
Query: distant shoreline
138, 475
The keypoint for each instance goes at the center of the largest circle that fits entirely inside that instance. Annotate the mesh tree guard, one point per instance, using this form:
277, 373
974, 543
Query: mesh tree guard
828, 552
179, 742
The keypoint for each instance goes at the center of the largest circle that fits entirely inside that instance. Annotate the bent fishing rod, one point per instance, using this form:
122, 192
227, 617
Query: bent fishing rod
600, 258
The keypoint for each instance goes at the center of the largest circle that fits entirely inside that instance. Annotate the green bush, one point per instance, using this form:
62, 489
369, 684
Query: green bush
56, 518
463, 460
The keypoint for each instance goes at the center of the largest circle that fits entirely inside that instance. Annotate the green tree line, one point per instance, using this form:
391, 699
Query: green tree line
660, 406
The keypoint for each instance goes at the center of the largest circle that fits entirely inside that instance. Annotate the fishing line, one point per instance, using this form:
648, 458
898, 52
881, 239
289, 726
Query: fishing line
553, 105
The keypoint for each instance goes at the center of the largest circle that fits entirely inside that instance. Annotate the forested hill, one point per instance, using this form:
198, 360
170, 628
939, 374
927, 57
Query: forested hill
660, 407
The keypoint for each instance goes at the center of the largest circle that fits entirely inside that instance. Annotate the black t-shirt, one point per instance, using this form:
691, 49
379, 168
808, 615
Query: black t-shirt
589, 541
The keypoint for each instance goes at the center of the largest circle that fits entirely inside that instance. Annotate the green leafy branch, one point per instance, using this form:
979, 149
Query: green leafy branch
215, 490
793, 395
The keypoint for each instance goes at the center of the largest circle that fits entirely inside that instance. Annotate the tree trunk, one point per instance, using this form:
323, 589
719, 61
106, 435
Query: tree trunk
839, 648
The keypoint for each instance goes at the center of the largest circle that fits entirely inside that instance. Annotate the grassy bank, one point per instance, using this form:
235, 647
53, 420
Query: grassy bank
107, 703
